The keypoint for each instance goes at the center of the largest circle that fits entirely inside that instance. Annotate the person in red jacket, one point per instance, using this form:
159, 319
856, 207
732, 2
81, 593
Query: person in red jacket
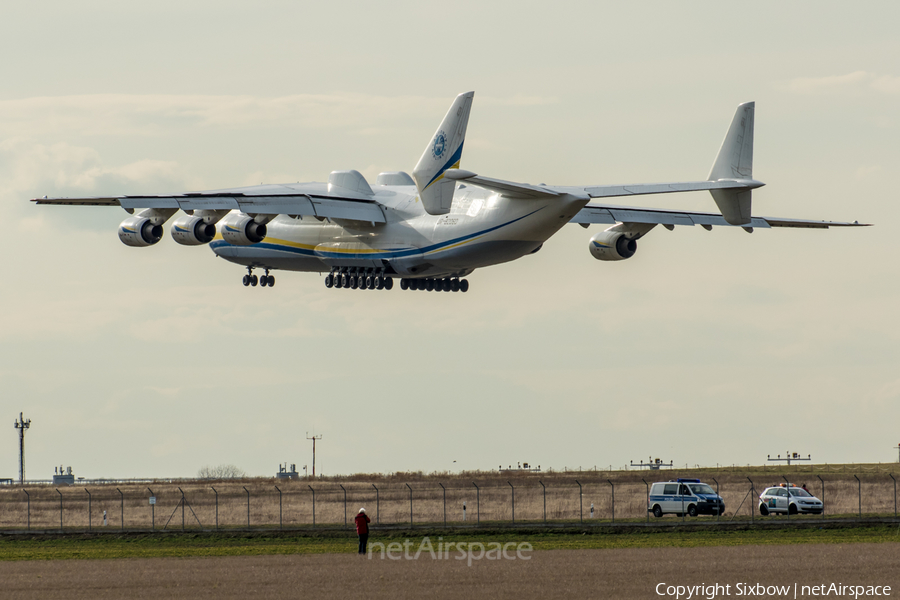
362, 529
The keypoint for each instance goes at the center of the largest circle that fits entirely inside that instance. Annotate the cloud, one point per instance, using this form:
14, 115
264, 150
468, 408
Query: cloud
157, 114
855, 82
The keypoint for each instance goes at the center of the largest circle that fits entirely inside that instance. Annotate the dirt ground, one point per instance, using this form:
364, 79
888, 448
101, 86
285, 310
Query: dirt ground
626, 573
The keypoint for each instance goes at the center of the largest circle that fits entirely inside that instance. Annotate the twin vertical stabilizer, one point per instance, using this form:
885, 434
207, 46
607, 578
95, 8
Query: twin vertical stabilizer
443, 152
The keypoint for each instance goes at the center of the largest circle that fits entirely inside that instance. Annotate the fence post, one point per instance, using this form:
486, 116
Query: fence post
823, 496
718, 511
122, 507
477, 503
376, 503
445, 502
89, 508
314, 504
152, 512
182, 509
217, 506
280, 520
29, 507
891, 475
544, 488
648, 498
513, 492
580, 503
752, 493
60, 508
613, 501
788, 490
859, 487
345, 504
248, 505
410, 504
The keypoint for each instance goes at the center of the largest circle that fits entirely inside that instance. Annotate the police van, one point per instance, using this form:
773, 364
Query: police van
684, 496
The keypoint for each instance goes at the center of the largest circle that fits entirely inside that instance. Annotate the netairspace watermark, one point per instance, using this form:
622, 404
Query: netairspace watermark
715, 590
467, 551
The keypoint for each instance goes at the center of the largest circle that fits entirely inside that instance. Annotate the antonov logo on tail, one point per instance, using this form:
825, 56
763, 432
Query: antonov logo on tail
368, 236
440, 144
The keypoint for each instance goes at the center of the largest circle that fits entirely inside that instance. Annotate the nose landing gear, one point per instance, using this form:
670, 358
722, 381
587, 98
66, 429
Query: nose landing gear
252, 280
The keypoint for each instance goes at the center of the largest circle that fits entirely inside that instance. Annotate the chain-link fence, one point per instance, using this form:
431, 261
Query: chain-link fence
262, 503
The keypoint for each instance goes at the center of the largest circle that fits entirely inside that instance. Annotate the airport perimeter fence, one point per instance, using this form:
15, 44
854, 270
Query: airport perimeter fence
264, 504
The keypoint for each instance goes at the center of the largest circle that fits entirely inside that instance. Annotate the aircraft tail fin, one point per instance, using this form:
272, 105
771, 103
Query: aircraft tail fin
443, 152
735, 161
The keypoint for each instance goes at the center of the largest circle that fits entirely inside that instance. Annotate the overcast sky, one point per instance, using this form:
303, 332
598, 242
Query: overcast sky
705, 348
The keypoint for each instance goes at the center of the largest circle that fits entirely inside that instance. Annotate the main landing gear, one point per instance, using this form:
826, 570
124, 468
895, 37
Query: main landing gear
251, 279
359, 279
447, 284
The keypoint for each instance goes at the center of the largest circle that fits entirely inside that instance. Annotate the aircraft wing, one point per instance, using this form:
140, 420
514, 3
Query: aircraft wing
609, 214
302, 199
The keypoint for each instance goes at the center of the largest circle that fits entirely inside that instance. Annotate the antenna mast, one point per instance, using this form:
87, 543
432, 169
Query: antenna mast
22, 425
314, 438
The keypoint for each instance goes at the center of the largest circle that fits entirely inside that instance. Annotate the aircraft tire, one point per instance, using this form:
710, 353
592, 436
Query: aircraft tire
404, 284
464, 285
454, 285
271, 281
254, 280
429, 285
388, 283
264, 281
246, 280
329, 280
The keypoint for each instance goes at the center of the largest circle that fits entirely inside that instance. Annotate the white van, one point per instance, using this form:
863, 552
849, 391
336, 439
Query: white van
684, 496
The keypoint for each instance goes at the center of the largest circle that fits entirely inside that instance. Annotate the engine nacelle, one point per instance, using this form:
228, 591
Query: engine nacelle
193, 231
242, 230
612, 245
139, 231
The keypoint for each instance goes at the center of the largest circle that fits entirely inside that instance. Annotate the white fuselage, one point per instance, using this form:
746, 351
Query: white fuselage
483, 228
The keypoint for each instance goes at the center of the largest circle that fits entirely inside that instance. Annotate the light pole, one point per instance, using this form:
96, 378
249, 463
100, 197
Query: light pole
22, 425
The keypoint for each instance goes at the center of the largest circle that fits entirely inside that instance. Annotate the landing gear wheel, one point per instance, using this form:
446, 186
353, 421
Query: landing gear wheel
353, 283
429, 285
379, 283
264, 281
464, 285
388, 283
692, 511
339, 281
370, 283
246, 280
271, 281
657, 512
454, 285
254, 280
329, 280
404, 284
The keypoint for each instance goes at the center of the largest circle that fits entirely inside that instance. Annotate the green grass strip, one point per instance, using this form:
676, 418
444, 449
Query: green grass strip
201, 544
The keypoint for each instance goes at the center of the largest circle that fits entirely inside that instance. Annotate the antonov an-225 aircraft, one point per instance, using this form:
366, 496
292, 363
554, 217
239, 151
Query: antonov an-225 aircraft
434, 228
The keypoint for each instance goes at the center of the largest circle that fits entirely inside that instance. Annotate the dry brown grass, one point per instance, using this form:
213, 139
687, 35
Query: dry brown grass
562, 499
625, 574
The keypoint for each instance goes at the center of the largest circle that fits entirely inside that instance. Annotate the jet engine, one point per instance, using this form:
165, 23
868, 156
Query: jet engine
242, 230
193, 231
612, 245
139, 231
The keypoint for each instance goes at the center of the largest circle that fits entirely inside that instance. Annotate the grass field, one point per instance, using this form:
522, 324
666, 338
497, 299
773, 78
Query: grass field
387, 497
105, 546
